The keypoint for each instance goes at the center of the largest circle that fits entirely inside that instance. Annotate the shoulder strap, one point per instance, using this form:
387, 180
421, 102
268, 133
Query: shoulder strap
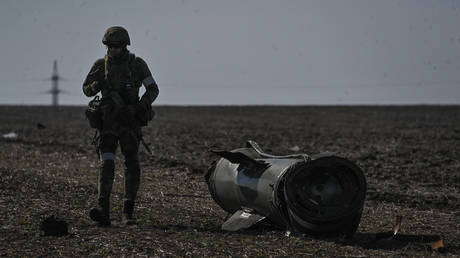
106, 67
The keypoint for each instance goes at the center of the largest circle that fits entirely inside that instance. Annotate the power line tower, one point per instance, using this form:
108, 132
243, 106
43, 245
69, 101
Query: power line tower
55, 78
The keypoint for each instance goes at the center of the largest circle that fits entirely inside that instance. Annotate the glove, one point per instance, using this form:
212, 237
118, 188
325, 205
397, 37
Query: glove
95, 87
91, 89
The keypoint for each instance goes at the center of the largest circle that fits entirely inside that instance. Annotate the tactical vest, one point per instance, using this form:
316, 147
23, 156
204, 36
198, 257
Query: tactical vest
120, 88
120, 79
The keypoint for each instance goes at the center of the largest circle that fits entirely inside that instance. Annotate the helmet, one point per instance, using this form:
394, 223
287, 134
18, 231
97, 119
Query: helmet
116, 35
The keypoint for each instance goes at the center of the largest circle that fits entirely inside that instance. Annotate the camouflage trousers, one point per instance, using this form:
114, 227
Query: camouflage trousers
129, 144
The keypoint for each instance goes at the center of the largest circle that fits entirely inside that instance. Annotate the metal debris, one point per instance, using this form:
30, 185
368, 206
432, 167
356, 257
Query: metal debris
11, 135
320, 194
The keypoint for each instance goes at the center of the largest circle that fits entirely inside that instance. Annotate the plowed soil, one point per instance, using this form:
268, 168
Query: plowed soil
410, 156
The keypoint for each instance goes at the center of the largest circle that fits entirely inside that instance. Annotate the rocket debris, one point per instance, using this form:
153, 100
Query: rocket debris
321, 194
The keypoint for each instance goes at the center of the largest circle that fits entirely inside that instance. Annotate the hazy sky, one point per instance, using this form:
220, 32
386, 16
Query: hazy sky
242, 51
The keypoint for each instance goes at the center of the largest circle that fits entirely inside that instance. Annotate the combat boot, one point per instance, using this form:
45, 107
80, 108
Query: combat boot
128, 209
101, 214
132, 179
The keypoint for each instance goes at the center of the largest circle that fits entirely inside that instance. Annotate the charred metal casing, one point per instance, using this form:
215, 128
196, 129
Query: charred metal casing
322, 194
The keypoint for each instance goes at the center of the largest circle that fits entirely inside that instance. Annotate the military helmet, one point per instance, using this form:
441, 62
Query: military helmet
116, 35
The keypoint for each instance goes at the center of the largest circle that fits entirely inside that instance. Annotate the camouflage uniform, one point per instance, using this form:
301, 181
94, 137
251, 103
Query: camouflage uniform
119, 78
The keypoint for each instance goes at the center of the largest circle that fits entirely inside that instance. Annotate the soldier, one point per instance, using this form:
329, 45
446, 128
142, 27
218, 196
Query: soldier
118, 76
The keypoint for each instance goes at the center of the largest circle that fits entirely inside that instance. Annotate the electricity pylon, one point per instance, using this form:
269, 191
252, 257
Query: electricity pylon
55, 78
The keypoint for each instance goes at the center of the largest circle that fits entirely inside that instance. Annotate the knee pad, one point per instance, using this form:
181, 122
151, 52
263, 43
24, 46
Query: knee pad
107, 156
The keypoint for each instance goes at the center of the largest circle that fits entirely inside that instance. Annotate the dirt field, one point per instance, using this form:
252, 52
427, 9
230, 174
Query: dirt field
410, 156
